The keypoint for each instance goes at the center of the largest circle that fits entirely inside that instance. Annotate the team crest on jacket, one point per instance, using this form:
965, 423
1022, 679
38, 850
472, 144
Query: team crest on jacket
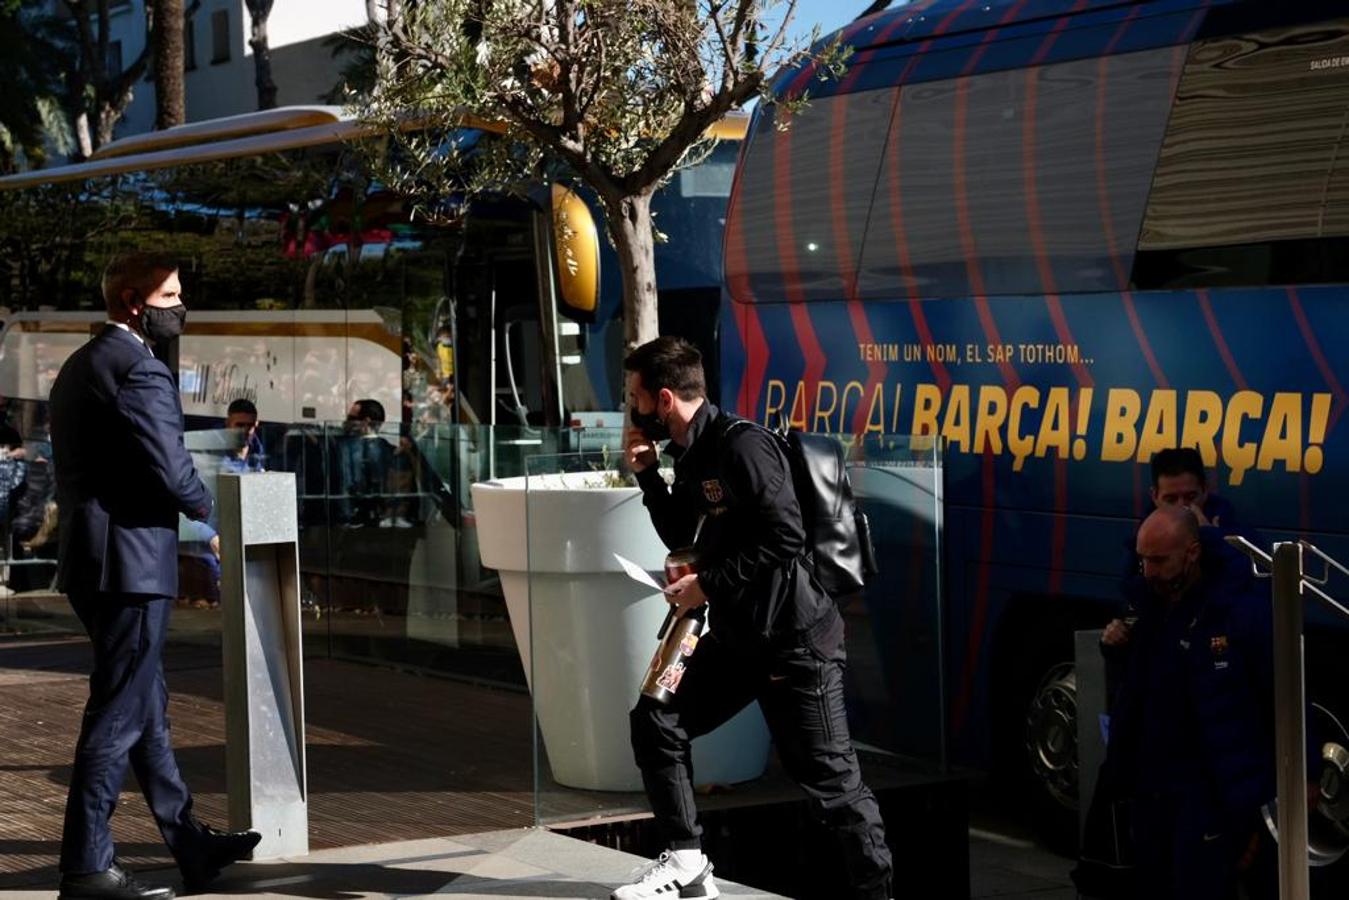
712, 491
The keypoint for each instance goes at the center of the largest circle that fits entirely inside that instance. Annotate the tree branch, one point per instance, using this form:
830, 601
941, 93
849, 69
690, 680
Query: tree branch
134, 72
103, 36
728, 44
875, 7
742, 11
88, 46
568, 75
400, 42
686, 132
576, 155
779, 39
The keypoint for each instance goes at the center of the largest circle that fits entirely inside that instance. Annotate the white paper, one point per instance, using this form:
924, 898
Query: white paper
638, 574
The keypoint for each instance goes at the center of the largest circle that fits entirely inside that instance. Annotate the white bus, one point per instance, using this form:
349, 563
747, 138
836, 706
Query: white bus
311, 286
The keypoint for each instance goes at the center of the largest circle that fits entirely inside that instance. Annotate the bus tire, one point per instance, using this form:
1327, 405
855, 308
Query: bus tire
1049, 748
1035, 728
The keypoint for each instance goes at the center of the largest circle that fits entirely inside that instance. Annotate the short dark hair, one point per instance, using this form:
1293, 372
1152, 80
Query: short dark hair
242, 405
669, 362
370, 409
1178, 461
139, 271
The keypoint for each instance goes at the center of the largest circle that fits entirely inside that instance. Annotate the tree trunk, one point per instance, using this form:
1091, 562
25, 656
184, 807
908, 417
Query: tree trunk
108, 116
382, 16
170, 105
83, 137
629, 221
259, 11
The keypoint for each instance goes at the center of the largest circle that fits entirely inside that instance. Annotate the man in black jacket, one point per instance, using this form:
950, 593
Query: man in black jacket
775, 635
122, 478
1192, 734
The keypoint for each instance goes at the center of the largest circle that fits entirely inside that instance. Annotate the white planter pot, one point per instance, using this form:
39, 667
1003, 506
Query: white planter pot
586, 632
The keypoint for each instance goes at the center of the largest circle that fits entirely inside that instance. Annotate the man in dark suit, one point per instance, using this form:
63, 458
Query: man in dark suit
122, 477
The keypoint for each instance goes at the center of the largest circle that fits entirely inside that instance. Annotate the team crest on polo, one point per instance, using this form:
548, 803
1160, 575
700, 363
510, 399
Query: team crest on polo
712, 491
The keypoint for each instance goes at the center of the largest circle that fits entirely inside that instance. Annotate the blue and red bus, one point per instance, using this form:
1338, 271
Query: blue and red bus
1061, 236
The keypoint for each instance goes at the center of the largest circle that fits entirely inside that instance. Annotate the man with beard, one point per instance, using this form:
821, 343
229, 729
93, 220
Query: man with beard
1192, 734
775, 634
122, 478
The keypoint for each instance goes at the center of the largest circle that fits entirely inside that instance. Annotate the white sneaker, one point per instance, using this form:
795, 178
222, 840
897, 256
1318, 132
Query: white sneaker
667, 878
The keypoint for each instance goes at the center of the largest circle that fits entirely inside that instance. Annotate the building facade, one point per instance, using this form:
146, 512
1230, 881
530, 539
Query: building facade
219, 61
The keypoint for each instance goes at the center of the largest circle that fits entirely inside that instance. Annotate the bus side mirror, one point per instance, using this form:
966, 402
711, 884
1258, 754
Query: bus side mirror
576, 255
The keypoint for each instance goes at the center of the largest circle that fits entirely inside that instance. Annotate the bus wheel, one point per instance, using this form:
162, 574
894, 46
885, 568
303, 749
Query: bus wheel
1050, 743
1328, 819
1051, 734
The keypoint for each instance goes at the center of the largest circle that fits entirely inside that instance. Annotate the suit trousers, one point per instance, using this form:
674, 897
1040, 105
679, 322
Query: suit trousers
800, 690
125, 721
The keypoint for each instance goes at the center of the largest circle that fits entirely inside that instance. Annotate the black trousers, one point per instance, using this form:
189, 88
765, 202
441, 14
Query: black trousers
800, 690
1188, 849
125, 722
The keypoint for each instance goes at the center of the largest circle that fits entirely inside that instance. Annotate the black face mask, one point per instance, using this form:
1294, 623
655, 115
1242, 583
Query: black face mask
162, 324
650, 425
1170, 587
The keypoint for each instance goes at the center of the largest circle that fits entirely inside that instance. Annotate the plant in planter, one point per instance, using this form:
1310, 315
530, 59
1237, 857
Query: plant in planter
585, 631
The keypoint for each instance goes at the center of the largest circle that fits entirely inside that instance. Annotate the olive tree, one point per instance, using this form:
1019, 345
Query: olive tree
618, 94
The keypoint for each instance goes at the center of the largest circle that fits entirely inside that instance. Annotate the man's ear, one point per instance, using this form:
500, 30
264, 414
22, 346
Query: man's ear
130, 303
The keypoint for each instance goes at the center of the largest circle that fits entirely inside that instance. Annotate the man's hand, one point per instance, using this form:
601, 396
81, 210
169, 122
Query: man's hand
1116, 634
641, 453
1249, 854
215, 545
1202, 519
685, 594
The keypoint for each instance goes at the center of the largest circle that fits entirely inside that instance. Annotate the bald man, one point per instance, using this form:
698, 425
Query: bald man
1192, 735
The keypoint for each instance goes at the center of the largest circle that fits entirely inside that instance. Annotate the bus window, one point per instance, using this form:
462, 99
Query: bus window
1336, 203
789, 236
1017, 182
691, 212
1253, 177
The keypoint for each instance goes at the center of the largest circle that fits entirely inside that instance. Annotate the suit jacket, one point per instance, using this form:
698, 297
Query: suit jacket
122, 472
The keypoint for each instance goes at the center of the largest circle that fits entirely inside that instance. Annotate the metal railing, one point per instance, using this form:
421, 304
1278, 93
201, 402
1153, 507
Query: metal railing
1290, 580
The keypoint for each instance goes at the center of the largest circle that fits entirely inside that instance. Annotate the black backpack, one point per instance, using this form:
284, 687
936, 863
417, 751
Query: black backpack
838, 535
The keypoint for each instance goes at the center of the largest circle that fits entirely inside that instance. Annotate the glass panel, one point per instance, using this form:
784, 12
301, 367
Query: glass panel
896, 630
29, 536
398, 528
589, 631
1252, 142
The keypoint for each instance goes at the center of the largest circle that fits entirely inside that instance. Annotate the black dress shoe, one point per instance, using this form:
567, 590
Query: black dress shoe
115, 883
218, 849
